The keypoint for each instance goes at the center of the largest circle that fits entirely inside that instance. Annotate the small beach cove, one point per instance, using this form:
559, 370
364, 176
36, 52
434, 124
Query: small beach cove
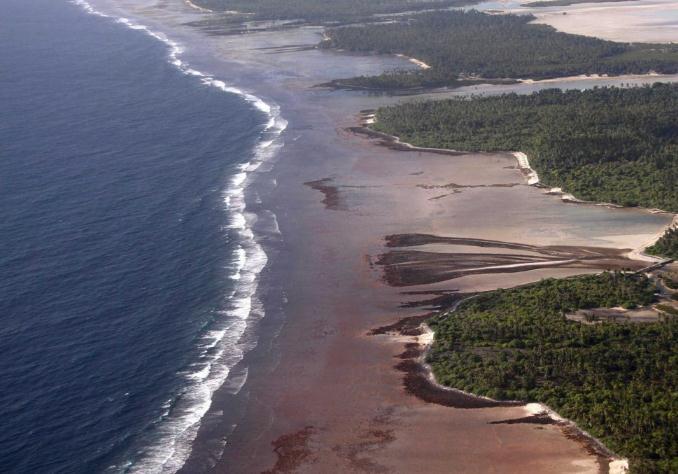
321, 393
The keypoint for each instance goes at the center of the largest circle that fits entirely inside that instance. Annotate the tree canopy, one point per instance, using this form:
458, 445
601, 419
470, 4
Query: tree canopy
323, 11
605, 144
615, 380
667, 245
458, 44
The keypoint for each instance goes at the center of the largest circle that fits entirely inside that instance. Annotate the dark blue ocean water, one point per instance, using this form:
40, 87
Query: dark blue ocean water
116, 253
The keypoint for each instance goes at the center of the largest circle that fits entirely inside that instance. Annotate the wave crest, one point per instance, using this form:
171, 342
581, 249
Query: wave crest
222, 347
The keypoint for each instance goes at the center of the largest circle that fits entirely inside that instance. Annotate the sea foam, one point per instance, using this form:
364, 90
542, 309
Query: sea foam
222, 347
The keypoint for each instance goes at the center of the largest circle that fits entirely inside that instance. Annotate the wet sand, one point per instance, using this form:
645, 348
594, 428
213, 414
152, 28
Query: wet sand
339, 400
323, 391
635, 21
336, 402
643, 21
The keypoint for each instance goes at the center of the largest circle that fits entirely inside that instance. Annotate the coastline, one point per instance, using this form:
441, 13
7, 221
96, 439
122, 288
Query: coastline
416, 62
536, 413
173, 445
393, 142
331, 398
336, 314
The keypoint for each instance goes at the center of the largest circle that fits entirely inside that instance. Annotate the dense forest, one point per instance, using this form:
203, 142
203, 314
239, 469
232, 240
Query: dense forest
615, 380
458, 44
324, 11
605, 144
667, 245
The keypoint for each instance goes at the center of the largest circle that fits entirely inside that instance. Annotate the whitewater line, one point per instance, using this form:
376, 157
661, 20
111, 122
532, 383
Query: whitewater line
221, 348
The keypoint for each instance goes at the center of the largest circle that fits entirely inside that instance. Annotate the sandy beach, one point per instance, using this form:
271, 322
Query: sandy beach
643, 21
373, 237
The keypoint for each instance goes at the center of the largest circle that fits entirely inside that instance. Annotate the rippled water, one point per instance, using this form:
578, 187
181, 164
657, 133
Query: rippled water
127, 265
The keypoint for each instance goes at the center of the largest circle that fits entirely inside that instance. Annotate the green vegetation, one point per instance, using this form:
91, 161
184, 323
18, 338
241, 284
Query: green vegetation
615, 380
323, 11
667, 245
605, 144
670, 279
670, 310
459, 44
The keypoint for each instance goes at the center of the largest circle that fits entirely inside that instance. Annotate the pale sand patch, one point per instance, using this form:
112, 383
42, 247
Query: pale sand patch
596, 77
638, 253
567, 197
619, 466
540, 408
645, 21
653, 21
426, 337
369, 119
618, 241
550, 263
524, 164
415, 61
201, 9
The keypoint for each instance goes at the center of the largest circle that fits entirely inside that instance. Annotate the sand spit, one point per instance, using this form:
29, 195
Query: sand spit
639, 252
417, 62
524, 164
199, 8
599, 77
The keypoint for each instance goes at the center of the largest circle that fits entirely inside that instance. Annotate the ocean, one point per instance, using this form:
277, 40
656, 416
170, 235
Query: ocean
128, 264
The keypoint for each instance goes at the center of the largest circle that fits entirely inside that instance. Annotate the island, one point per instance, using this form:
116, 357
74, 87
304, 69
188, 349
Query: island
597, 349
464, 47
613, 145
613, 373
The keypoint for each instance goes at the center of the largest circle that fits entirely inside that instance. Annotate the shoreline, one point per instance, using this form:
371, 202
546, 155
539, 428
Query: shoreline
535, 412
200, 9
250, 254
639, 253
332, 399
531, 176
477, 81
416, 62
